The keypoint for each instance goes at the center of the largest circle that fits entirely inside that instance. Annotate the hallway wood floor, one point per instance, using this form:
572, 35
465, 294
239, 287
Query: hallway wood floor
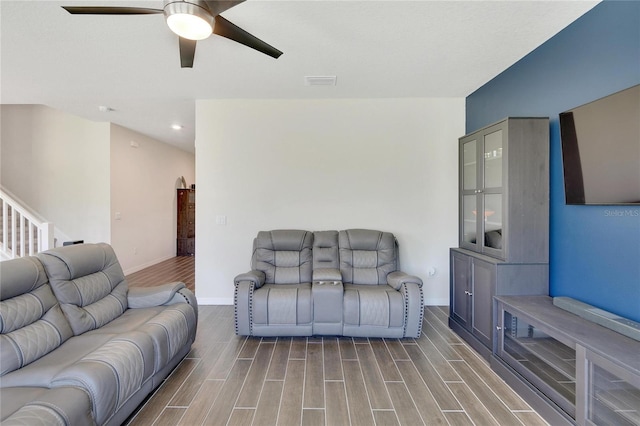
180, 268
231, 380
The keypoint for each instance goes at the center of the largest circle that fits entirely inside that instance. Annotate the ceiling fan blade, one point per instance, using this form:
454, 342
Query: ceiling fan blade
187, 52
217, 7
110, 10
231, 31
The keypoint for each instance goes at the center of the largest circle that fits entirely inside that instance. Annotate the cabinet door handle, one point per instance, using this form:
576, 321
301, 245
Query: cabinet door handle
468, 293
498, 328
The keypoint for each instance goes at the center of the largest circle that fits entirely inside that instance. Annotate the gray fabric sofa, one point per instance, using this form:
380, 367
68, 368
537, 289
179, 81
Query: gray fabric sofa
78, 347
304, 283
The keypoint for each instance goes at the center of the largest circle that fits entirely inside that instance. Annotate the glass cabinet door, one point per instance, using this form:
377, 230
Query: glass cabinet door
613, 394
481, 198
493, 160
469, 219
469, 165
492, 221
469, 194
492, 190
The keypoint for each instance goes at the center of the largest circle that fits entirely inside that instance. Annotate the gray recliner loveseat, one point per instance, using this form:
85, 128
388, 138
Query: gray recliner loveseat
78, 347
304, 283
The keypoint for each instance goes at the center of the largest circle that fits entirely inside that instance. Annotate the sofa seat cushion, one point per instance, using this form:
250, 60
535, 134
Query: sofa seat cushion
34, 406
35, 415
13, 398
42, 371
375, 306
112, 373
130, 320
170, 327
170, 330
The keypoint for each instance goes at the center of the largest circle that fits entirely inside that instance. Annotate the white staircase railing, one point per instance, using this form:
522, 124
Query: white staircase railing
23, 234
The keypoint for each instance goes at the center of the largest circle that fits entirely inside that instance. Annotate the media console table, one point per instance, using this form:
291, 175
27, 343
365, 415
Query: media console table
571, 370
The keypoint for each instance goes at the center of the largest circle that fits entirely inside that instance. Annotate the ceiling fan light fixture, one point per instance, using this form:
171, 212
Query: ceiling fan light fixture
189, 20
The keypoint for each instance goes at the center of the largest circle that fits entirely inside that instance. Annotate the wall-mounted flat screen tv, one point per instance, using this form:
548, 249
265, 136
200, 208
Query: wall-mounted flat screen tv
601, 150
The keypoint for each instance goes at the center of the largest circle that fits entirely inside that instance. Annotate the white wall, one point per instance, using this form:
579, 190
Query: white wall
58, 164
143, 191
387, 164
78, 173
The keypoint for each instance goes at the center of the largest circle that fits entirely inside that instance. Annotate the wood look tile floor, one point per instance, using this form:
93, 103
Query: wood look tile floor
180, 268
231, 380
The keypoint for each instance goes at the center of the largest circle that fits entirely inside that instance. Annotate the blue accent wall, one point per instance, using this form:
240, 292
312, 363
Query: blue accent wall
594, 250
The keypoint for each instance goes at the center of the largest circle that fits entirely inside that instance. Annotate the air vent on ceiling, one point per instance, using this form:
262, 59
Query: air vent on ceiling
320, 80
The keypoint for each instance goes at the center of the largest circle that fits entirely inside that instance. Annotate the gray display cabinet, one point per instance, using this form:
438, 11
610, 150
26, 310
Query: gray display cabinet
504, 223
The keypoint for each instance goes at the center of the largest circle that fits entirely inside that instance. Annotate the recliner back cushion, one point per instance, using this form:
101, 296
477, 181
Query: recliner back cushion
89, 283
366, 256
283, 255
31, 321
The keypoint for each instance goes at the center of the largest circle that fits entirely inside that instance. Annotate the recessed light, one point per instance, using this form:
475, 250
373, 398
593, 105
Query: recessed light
176, 126
104, 108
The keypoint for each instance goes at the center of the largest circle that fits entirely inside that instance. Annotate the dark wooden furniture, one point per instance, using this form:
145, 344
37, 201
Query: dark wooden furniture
186, 241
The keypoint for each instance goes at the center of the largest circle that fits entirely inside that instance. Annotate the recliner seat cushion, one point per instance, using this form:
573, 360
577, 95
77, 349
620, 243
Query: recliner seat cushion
282, 304
88, 282
377, 306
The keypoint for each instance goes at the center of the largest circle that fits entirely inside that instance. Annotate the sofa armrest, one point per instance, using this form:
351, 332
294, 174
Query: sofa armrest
145, 297
257, 278
327, 274
245, 284
397, 278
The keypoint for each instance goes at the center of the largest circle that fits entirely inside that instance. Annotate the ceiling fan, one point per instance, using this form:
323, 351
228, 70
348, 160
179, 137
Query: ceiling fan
191, 20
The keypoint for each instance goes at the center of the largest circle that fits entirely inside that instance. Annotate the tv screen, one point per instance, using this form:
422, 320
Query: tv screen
601, 150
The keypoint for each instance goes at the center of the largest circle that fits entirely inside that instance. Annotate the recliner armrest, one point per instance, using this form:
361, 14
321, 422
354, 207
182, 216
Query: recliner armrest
255, 277
145, 297
397, 278
327, 274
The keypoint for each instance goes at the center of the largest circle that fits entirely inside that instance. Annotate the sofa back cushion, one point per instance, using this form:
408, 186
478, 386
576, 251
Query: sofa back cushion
31, 321
366, 256
283, 255
88, 282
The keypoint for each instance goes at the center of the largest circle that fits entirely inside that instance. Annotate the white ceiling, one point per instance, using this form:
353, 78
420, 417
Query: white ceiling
376, 49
